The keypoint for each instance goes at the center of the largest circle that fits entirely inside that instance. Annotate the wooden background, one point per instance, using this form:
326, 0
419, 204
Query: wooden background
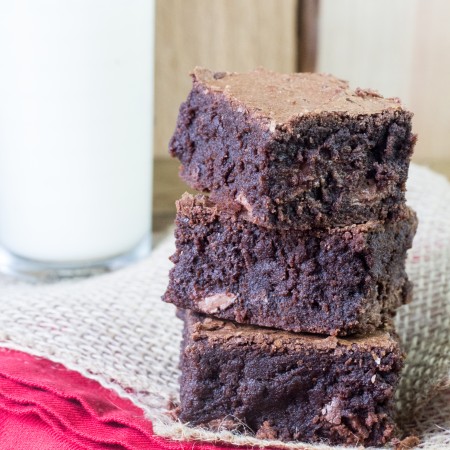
235, 35
400, 47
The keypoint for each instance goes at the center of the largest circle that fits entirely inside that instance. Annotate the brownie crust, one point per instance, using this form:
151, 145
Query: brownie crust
294, 151
288, 386
336, 282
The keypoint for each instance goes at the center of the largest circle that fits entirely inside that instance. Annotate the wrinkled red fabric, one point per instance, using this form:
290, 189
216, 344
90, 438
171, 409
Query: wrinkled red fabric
43, 405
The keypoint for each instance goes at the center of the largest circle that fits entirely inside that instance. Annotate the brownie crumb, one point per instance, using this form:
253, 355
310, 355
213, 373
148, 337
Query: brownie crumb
406, 443
173, 408
367, 93
266, 431
219, 75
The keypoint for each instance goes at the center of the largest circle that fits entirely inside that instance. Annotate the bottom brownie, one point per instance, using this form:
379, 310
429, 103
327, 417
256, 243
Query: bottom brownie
288, 386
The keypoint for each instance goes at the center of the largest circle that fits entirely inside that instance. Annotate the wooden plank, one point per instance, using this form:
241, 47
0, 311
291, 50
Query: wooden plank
430, 80
307, 35
231, 35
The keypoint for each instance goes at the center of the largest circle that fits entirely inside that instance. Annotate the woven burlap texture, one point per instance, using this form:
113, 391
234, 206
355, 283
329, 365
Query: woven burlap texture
115, 329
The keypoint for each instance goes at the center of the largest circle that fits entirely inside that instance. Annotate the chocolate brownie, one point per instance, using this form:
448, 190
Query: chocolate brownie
340, 281
295, 151
288, 386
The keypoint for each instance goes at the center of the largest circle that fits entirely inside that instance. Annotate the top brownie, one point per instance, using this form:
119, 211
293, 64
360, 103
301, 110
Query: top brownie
294, 150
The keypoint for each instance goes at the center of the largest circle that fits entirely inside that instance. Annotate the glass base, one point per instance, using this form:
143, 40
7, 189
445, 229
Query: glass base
48, 272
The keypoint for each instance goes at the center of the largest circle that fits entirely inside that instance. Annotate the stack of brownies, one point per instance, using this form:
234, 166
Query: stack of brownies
289, 273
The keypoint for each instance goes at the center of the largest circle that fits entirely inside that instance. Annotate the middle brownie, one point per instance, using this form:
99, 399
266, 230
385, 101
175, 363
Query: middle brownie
336, 282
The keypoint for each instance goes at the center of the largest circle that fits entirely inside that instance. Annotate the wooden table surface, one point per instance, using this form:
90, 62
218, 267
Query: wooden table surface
168, 188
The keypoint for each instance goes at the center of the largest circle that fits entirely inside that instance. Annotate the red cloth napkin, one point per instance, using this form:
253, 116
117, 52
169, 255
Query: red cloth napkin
43, 405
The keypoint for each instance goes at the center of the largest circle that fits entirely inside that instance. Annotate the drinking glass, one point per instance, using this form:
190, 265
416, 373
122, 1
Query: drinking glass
76, 124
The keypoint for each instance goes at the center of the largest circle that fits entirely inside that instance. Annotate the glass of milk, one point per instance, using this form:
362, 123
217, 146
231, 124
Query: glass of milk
76, 116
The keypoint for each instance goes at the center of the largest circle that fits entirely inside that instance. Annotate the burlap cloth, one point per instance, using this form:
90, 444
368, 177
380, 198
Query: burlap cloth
115, 329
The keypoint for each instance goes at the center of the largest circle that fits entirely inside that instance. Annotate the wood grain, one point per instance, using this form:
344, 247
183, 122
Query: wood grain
307, 35
231, 35
430, 80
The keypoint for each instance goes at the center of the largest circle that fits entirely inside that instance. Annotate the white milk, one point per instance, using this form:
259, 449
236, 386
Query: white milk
76, 86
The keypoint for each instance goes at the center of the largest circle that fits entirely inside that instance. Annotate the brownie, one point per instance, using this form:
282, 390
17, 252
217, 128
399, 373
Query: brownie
294, 150
340, 281
288, 386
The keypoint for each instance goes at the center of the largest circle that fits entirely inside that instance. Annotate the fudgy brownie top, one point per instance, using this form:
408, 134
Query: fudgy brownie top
282, 98
228, 334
